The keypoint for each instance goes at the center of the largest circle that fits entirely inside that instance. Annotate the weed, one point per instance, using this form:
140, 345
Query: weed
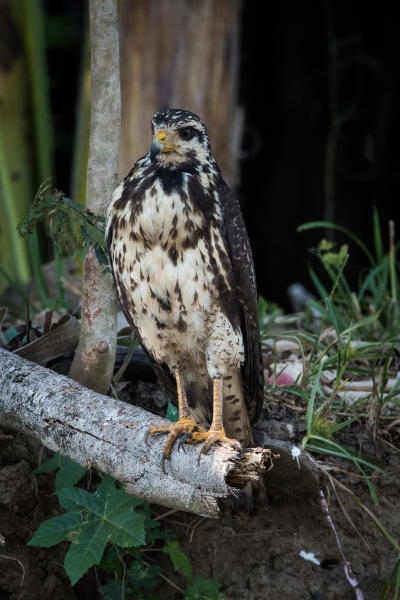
112, 529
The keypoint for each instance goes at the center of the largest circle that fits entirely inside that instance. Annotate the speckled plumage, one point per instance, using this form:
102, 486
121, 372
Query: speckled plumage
183, 268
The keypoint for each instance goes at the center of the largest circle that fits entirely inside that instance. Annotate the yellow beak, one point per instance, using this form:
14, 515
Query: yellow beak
160, 143
161, 136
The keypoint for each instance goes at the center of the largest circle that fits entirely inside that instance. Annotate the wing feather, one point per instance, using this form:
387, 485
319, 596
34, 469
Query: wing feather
239, 251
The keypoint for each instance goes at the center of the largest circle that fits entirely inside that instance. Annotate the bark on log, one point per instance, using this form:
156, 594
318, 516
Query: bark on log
111, 435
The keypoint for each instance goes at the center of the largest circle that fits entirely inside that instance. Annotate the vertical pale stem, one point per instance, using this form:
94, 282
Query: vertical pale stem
94, 359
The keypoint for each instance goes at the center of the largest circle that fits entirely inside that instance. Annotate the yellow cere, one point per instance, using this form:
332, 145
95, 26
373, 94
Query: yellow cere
161, 136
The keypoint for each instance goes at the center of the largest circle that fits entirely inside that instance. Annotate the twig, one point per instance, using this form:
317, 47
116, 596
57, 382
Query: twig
20, 564
347, 565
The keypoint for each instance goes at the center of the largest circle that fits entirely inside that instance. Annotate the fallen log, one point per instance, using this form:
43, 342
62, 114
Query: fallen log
111, 435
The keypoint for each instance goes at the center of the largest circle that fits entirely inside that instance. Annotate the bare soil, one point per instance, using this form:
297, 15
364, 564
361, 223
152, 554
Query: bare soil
254, 557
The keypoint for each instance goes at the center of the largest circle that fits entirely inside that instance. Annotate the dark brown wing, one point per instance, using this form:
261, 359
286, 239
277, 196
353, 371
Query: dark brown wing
239, 250
161, 371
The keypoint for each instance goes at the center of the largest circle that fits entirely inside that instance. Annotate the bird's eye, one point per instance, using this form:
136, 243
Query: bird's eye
187, 133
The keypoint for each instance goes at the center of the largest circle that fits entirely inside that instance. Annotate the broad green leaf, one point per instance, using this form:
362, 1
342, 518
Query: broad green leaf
178, 557
112, 507
69, 472
93, 520
58, 529
85, 551
75, 500
203, 589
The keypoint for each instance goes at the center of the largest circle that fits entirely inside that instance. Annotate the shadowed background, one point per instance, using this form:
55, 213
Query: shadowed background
300, 105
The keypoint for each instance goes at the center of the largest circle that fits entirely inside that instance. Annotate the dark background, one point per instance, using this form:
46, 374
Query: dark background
320, 88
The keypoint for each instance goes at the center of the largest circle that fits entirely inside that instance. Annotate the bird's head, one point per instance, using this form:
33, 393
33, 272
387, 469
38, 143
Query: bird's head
179, 139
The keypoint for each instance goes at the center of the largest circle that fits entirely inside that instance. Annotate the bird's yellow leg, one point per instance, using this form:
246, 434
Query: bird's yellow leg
216, 433
185, 425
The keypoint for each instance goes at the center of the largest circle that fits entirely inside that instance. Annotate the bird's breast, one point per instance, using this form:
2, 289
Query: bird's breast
169, 266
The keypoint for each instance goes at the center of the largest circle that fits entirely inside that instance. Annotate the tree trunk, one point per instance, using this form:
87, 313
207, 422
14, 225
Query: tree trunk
181, 54
94, 358
111, 435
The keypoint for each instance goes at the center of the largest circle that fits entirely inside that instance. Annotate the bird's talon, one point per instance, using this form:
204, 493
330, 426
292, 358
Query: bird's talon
182, 439
181, 429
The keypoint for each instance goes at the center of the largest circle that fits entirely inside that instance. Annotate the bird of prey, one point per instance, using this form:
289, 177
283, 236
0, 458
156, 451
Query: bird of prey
182, 264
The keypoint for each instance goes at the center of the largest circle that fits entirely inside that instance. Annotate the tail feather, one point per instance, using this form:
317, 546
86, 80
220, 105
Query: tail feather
236, 418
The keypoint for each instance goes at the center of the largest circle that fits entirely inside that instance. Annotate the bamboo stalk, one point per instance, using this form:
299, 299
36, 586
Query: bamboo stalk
21, 261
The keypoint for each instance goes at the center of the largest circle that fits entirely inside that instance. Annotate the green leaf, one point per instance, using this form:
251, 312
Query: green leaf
69, 473
172, 412
178, 557
58, 529
112, 561
311, 402
112, 590
142, 576
85, 551
93, 520
112, 508
203, 589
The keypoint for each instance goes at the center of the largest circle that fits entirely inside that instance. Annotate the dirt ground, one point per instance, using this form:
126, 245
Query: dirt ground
254, 558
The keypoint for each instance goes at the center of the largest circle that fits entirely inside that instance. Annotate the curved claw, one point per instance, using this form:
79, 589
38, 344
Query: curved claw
209, 438
183, 437
184, 427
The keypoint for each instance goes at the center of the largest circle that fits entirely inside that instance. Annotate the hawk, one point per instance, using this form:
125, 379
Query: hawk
182, 264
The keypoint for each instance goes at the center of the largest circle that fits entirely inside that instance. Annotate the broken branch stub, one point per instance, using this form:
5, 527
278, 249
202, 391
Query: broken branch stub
111, 435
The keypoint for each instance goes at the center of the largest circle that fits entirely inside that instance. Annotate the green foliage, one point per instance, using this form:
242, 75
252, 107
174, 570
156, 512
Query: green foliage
69, 472
92, 520
352, 334
178, 557
72, 227
202, 589
112, 529
140, 579
377, 297
392, 587
267, 313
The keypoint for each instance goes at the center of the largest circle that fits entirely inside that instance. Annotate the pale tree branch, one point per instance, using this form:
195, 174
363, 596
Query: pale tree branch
94, 358
112, 436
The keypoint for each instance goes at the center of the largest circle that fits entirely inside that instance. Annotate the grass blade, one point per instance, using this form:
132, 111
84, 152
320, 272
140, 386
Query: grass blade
377, 235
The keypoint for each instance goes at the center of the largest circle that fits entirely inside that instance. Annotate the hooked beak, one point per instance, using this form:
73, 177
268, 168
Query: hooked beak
156, 147
160, 144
